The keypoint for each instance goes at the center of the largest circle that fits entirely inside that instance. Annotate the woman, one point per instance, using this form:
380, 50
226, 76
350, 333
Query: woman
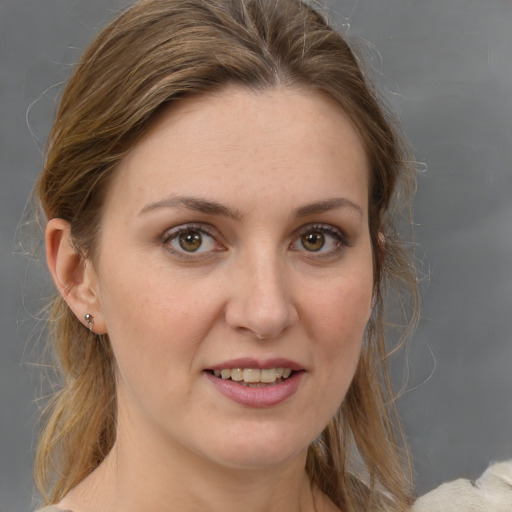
220, 187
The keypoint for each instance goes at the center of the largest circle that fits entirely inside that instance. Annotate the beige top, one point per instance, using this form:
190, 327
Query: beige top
492, 492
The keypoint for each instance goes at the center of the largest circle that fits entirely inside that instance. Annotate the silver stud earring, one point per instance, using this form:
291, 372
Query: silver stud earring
89, 319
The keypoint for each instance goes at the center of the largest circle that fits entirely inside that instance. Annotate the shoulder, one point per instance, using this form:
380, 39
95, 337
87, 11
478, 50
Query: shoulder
52, 508
492, 492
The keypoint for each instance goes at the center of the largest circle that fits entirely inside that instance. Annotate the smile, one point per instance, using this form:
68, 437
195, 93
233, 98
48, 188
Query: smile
256, 387
254, 375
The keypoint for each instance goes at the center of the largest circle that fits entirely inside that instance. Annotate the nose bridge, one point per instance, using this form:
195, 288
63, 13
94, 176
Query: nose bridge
261, 303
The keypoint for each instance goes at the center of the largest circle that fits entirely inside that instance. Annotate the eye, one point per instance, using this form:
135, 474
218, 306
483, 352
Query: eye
190, 239
313, 242
322, 239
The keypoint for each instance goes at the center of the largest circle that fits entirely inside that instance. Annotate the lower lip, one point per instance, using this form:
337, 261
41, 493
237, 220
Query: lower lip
264, 396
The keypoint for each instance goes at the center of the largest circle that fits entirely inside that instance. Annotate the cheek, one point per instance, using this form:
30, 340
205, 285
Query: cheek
336, 320
341, 310
338, 315
155, 334
156, 321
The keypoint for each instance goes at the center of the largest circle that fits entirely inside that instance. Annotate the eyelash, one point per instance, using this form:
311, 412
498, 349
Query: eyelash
173, 234
326, 229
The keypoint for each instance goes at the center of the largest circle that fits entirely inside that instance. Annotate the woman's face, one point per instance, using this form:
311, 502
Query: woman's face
234, 249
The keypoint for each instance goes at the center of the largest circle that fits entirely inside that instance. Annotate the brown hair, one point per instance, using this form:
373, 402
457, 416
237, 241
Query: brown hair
153, 54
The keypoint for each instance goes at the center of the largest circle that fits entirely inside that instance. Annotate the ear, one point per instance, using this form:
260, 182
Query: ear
74, 275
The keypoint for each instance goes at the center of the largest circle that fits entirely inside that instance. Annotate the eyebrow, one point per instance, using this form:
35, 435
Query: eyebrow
214, 208
193, 203
327, 205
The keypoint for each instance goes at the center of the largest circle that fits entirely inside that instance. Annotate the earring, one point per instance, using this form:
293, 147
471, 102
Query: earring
89, 320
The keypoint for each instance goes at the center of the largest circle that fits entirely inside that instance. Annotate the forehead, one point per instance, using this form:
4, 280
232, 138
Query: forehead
250, 142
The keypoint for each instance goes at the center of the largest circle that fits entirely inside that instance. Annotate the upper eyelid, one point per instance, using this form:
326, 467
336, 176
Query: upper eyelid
199, 226
323, 227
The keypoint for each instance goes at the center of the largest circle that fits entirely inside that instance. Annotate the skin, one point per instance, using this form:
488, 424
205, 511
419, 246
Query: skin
252, 289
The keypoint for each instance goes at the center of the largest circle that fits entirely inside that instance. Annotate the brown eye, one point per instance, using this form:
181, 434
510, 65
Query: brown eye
190, 241
320, 242
313, 241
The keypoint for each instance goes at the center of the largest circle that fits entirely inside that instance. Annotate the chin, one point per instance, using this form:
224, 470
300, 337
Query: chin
256, 452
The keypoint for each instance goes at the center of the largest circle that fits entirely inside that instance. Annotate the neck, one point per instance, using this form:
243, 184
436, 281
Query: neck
136, 476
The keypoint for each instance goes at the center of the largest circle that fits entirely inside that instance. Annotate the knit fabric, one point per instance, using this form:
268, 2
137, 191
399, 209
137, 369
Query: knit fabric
492, 492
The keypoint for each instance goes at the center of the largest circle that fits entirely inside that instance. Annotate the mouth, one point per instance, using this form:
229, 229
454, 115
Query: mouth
254, 377
256, 383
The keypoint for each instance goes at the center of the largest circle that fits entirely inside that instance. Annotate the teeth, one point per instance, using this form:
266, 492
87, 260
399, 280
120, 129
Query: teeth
237, 374
269, 375
253, 375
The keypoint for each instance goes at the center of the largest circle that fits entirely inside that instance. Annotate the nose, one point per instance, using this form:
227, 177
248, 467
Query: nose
261, 302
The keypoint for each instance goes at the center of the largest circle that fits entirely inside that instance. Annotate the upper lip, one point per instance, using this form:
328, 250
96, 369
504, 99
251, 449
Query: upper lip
261, 364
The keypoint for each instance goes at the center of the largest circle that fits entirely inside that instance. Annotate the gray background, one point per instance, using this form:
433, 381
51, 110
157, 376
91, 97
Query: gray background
446, 68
